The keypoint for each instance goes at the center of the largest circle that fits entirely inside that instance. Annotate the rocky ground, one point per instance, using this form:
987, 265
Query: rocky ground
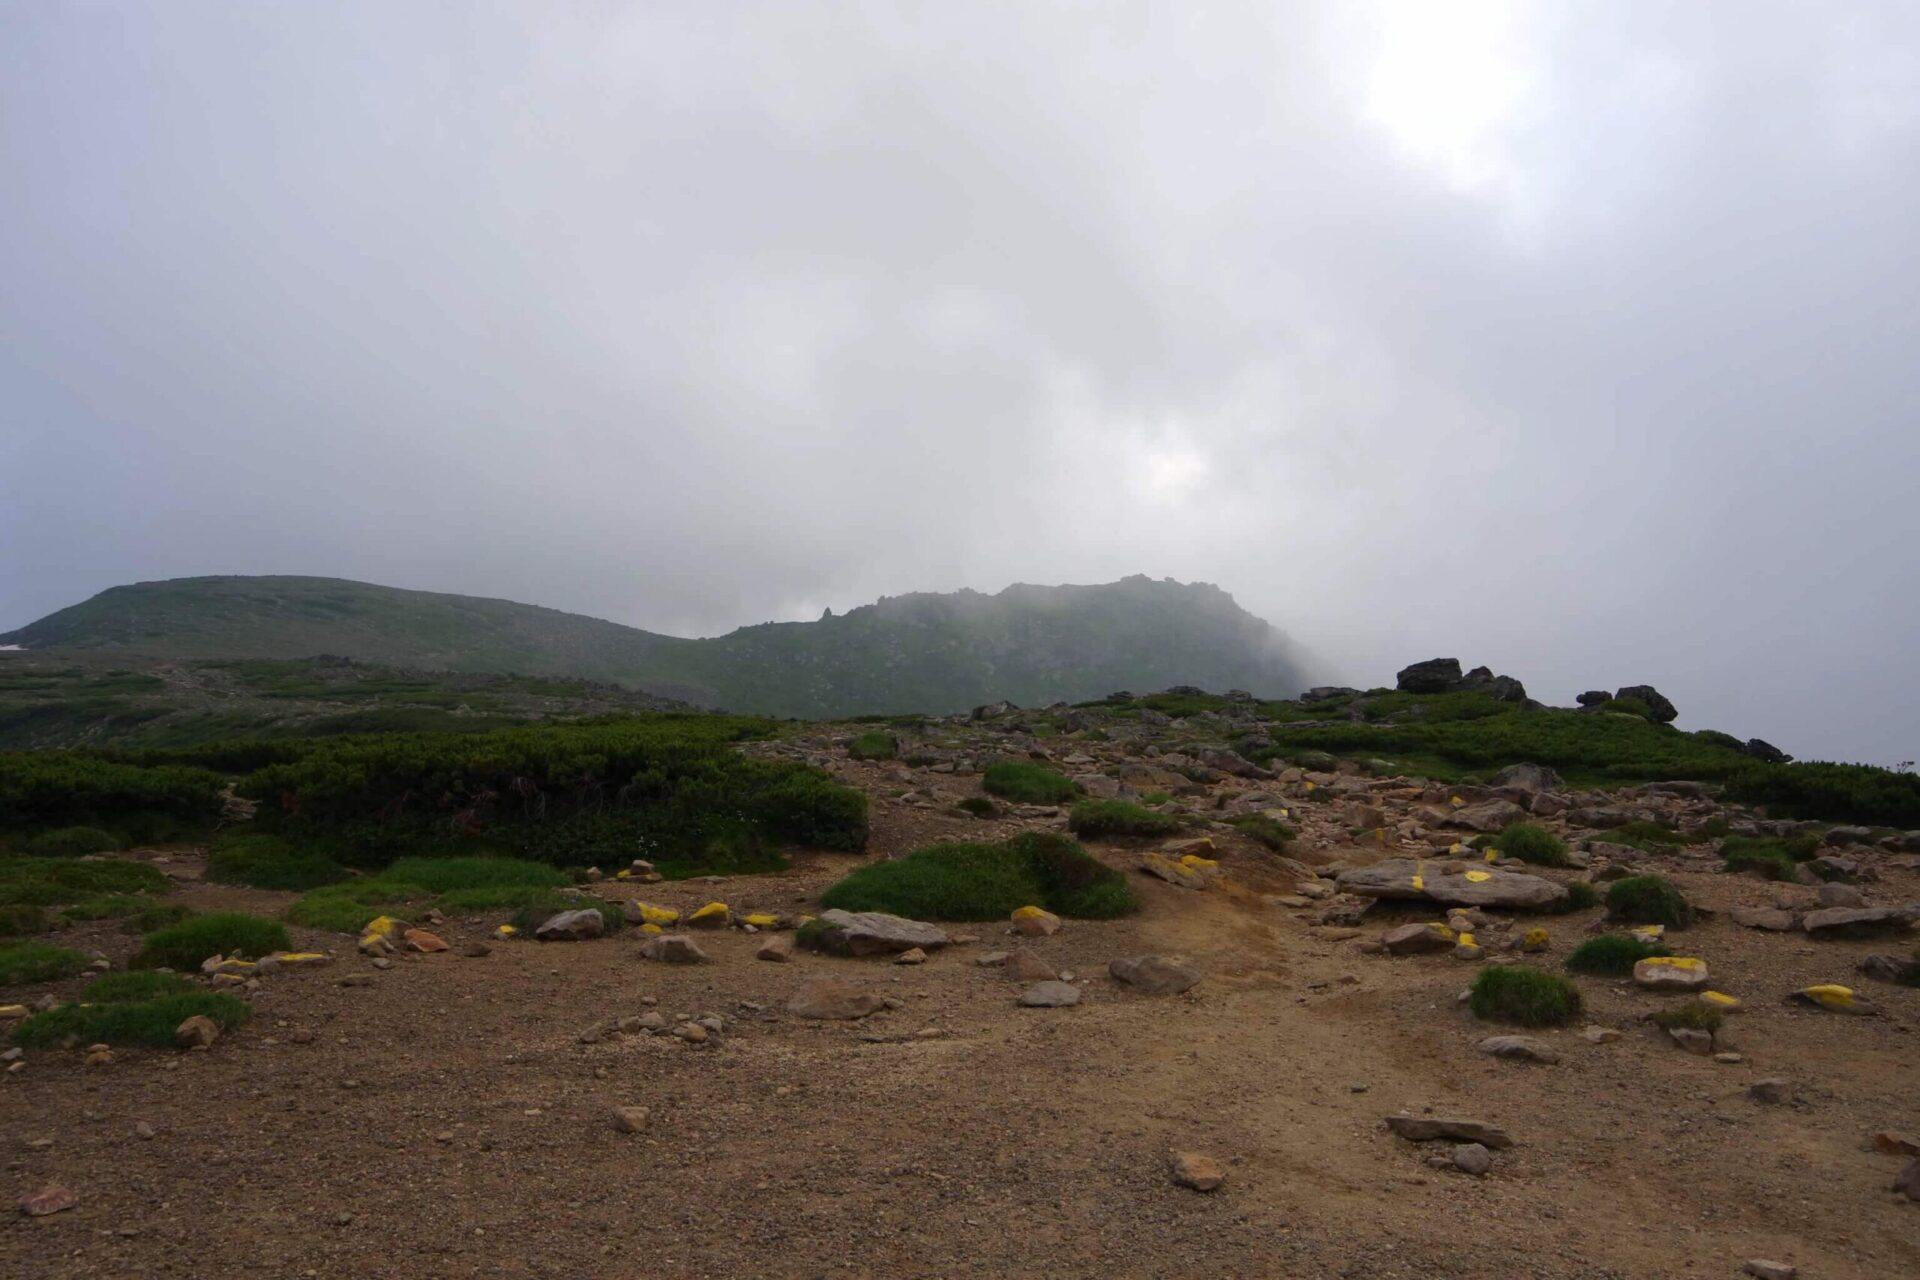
458, 1114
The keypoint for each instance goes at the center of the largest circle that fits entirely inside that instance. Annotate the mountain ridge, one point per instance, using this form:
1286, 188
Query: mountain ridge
921, 651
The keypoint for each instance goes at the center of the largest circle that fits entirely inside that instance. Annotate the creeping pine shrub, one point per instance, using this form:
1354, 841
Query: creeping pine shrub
874, 746
455, 885
1612, 954
1773, 858
1027, 783
977, 881
148, 1022
1648, 900
1093, 819
1529, 843
24, 962
1271, 832
70, 842
1528, 997
268, 862
223, 933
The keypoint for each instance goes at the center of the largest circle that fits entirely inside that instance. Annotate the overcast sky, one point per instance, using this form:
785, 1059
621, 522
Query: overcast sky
1581, 340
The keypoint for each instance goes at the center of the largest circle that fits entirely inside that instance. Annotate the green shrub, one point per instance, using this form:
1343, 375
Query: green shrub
1154, 799
43, 789
968, 881
120, 988
1528, 997
346, 908
141, 915
18, 921
1650, 837
1530, 843
1271, 832
25, 962
1830, 792
1648, 900
1093, 819
874, 746
1695, 1017
1612, 954
1773, 857
71, 842
142, 1022
1580, 895
268, 862
978, 806
445, 875
1027, 783
50, 882
1483, 842
222, 933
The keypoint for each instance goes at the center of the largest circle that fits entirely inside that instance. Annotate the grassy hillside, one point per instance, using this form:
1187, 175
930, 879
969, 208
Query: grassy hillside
930, 653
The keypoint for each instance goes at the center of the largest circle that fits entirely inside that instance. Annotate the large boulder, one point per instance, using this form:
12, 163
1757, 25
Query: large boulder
1663, 711
1451, 883
1527, 777
875, 933
1594, 698
1857, 922
572, 926
1506, 689
1487, 816
1761, 749
1435, 675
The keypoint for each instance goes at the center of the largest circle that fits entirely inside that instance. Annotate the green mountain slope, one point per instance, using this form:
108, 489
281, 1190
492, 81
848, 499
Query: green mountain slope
922, 652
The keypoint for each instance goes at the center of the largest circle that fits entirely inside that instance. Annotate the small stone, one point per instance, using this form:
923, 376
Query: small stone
1764, 1270
673, 948
1889, 1143
476, 950
1692, 1039
1599, 1035
1155, 975
1729, 1059
777, 948
912, 955
714, 915
197, 1032
1035, 922
630, 1119
1426, 1128
426, 943
692, 1033
144, 1131
301, 1035
1471, 1157
1772, 1090
1050, 995
1519, 1048
1908, 1183
48, 1199
833, 999
1200, 1172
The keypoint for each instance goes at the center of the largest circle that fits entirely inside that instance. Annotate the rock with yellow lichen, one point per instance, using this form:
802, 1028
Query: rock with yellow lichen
714, 915
1035, 922
1836, 999
1671, 973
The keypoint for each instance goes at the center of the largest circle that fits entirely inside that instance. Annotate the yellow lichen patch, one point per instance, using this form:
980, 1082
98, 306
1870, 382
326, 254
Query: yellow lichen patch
506, 931
228, 980
1441, 931
760, 920
1478, 877
651, 928
1830, 994
1720, 999
1310, 786
300, 957
712, 913
1650, 932
1420, 882
13, 1011
1456, 802
1534, 938
625, 873
1466, 940
1492, 855
1674, 962
1033, 913
1194, 862
1455, 847
650, 914
380, 927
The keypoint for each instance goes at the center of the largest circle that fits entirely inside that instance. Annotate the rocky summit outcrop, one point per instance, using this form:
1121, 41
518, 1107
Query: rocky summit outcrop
1443, 675
1452, 883
1663, 711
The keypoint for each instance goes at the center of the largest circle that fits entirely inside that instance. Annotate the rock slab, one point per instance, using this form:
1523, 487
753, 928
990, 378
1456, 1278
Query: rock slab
1427, 1128
1155, 975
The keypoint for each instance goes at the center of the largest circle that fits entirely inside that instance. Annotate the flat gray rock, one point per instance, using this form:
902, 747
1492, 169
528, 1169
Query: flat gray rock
572, 926
1520, 1048
1050, 995
1452, 882
834, 999
1427, 1128
875, 933
1489, 815
1856, 922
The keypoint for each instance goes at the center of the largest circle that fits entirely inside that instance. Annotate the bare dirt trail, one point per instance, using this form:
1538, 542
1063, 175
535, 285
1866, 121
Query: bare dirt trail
446, 1119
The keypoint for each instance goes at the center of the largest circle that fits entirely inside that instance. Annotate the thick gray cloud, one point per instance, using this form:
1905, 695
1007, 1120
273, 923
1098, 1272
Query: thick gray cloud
1574, 339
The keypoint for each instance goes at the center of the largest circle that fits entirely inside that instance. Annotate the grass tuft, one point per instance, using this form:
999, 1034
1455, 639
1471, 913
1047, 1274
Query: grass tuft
1271, 832
143, 1022
1612, 955
1028, 783
1094, 819
26, 962
183, 946
145, 984
874, 746
1533, 844
969, 881
1648, 900
1526, 997
267, 862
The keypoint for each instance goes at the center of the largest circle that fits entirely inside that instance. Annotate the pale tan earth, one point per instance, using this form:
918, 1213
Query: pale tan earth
447, 1121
